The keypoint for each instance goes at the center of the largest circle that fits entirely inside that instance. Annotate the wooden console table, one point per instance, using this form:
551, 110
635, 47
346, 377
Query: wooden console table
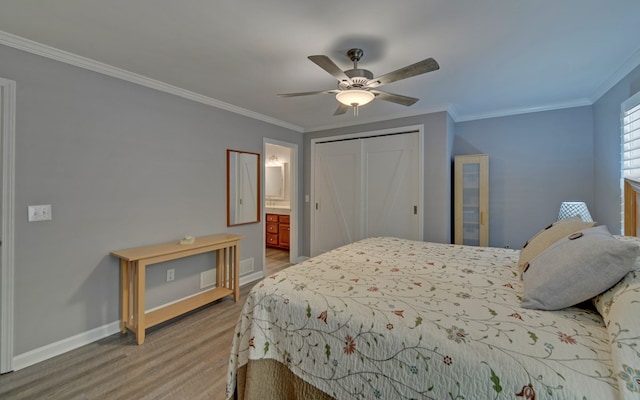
132, 279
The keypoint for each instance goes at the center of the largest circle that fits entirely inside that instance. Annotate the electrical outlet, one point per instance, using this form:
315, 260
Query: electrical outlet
40, 212
171, 274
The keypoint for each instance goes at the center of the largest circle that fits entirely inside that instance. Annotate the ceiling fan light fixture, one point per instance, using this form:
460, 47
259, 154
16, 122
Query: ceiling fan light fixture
354, 97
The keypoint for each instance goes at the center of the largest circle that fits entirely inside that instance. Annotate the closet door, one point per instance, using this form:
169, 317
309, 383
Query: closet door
391, 186
364, 188
337, 193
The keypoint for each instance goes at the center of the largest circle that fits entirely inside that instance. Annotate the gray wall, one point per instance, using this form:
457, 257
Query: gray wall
438, 139
607, 150
536, 161
125, 165
122, 166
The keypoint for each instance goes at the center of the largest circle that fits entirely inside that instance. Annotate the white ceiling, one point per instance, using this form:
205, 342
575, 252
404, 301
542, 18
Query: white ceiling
497, 57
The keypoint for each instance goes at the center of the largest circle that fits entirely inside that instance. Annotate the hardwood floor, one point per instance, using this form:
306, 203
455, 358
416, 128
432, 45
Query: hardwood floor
185, 358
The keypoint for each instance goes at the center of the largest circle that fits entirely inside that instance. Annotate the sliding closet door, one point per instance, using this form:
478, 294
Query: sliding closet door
337, 195
391, 190
366, 187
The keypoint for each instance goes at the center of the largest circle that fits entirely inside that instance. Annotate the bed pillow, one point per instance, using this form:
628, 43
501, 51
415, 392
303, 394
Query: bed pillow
630, 283
548, 236
620, 307
577, 268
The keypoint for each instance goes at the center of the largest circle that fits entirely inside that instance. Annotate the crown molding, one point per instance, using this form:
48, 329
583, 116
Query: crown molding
524, 110
618, 75
53, 53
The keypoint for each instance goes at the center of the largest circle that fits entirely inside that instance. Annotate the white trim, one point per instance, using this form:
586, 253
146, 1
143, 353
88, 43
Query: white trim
250, 278
451, 110
62, 346
617, 76
453, 113
380, 132
419, 128
523, 110
33, 47
30, 46
7, 135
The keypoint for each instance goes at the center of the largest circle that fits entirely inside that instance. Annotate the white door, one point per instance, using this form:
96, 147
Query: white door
337, 195
392, 186
366, 187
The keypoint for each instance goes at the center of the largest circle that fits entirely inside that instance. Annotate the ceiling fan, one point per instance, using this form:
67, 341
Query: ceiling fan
357, 86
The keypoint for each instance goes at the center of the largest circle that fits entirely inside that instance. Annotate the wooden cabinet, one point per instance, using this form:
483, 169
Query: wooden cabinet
471, 200
278, 231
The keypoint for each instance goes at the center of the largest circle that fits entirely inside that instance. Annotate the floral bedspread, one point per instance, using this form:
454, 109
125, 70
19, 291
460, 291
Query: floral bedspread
390, 318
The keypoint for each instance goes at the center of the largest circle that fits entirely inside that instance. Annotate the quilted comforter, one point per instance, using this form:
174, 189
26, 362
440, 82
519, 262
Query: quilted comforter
387, 318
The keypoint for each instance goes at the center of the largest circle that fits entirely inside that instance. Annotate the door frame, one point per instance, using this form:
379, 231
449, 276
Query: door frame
294, 219
7, 142
359, 135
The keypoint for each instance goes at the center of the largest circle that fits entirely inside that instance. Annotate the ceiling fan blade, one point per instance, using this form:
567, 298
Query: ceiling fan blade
341, 109
332, 91
418, 68
326, 64
395, 98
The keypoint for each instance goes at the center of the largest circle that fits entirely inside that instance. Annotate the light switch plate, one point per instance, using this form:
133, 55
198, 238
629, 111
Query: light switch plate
40, 212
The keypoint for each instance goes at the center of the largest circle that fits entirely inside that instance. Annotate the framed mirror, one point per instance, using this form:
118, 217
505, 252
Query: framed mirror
274, 182
243, 187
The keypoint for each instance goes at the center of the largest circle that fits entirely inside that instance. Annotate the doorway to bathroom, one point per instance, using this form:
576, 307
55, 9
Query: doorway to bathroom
280, 204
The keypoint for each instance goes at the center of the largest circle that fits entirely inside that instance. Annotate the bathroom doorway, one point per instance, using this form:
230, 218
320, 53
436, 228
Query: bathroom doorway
280, 204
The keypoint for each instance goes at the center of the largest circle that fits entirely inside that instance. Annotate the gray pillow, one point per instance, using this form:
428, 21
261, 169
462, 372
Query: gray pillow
548, 236
577, 268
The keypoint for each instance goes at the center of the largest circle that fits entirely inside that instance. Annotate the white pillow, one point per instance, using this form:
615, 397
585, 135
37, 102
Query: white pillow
620, 307
577, 268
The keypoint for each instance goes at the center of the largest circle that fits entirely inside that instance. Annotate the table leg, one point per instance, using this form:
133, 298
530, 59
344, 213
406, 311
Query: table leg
220, 267
236, 273
139, 294
124, 295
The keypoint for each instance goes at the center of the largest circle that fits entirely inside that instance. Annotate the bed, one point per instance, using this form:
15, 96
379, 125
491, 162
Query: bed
388, 318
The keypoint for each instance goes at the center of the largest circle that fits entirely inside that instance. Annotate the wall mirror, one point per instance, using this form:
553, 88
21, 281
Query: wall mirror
274, 182
243, 188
